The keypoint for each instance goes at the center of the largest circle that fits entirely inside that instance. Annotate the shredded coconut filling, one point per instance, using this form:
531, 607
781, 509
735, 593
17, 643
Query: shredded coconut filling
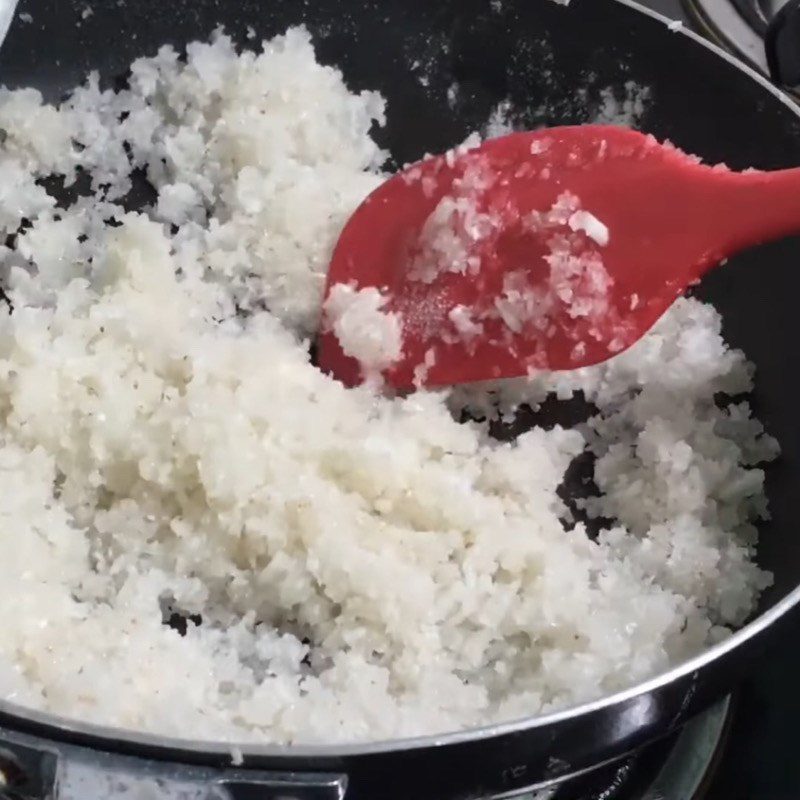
363, 329
332, 564
576, 283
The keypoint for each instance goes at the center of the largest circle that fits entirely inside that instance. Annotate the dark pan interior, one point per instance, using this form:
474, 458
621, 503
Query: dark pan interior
537, 54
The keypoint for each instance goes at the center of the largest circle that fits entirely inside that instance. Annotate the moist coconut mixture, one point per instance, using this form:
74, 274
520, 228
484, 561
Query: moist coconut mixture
336, 565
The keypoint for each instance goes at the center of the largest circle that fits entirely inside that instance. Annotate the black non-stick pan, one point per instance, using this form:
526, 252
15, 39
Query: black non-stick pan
538, 54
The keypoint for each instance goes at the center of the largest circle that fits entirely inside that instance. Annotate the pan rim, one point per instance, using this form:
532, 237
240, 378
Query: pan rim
58, 728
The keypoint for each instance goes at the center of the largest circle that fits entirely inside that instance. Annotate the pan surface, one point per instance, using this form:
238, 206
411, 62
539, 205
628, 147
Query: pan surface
553, 64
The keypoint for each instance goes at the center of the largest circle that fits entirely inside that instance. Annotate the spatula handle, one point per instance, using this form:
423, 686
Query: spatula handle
754, 207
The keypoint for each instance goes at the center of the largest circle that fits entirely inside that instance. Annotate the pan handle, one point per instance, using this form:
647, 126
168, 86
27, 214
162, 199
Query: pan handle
782, 44
39, 769
287, 786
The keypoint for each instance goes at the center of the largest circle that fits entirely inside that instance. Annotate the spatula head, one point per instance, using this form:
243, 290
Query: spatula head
548, 250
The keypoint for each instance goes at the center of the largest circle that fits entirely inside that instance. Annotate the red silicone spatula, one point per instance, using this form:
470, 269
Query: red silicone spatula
548, 250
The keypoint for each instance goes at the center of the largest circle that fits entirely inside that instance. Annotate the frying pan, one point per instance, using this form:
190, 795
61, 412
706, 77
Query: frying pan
538, 54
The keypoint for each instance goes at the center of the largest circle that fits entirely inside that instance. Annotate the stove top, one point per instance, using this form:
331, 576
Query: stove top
763, 33
738, 25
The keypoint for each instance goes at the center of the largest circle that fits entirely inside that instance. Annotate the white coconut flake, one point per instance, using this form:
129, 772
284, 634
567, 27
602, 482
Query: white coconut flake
539, 146
421, 371
465, 326
450, 235
586, 221
625, 106
365, 331
500, 121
